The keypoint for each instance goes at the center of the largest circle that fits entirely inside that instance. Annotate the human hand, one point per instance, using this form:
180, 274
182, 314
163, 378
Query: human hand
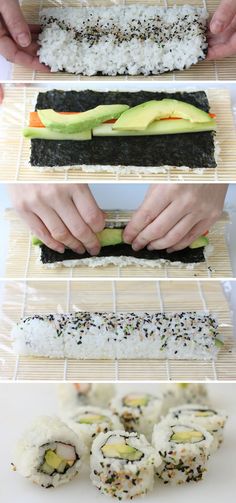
222, 34
172, 216
1, 93
61, 215
18, 41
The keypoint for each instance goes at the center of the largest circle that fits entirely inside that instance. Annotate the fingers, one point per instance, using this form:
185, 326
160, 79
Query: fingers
15, 22
88, 208
1, 93
154, 203
222, 50
38, 228
174, 235
11, 52
196, 231
58, 228
223, 16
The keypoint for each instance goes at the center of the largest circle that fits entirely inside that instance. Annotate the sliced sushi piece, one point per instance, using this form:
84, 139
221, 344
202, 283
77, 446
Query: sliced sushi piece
140, 39
210, 419
138, 412
89, 421
49, 453
122, 464
138, 154
85, 335
74, 395
184, 449
176, 394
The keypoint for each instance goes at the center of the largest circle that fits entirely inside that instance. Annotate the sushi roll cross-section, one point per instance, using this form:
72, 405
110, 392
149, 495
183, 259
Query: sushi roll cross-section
50, 453
122, 464
184, 449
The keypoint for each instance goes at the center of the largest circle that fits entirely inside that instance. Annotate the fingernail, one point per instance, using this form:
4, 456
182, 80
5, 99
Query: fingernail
127, 240
60, 249
150, 248
94, 251
136, 247
23, 39
217, 27
170, 250
80, 251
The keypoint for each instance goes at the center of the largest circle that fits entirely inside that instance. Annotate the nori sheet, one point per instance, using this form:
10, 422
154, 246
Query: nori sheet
194, 150
186, 256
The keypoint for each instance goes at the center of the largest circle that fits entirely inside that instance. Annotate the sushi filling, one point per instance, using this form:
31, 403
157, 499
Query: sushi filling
195, 412
185, 435
118, 447
57, 458
135, 400
88, 418
82, 389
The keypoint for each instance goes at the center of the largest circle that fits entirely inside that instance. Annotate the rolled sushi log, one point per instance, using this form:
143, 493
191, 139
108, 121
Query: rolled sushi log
85, 335
184, 449
122, 464
138, 412
72, 396
176, 394
50, 453
87, 422
210, 419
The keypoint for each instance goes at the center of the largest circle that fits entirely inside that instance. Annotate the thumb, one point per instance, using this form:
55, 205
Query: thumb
15, 22
223, 16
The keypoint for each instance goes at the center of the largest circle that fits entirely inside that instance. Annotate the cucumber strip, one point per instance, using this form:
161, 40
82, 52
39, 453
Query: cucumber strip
47, 134
158, 128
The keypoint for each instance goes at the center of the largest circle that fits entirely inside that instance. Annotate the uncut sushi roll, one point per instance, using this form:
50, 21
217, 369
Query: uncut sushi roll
176, 394
184, 449
50, 453
98, 335
122, 464
74, 395
89, 421
138, 412
140, 39
210, 419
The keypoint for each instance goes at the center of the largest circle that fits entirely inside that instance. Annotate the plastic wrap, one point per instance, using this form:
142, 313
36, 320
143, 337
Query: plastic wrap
43, 297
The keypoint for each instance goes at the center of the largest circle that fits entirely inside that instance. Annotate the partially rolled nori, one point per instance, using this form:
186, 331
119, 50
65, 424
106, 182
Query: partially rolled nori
186, 256
194, 150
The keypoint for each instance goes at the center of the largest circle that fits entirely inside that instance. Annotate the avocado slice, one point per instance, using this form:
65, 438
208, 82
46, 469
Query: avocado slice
139, 117
109, 237
218, 343
185, 437
158, 127
45, 468
122, 451
106, 237
62, 466
204, 413
89, 419
136, 401
44, 133
82, 121
52, 459
199, 242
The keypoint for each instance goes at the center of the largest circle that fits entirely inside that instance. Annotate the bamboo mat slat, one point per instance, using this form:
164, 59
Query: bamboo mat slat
27, 298
205, 70
22, 258
15, 150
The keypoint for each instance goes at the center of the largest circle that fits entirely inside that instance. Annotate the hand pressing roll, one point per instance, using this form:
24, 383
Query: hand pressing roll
172, 216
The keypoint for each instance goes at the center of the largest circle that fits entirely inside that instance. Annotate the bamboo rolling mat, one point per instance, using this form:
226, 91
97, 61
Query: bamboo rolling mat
206, 70
22, 258
15, 150
45, 297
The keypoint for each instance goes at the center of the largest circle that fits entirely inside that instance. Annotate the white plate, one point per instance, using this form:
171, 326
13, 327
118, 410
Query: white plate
21, 403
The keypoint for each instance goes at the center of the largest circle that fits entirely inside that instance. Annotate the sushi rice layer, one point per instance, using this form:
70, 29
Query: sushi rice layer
122, 40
